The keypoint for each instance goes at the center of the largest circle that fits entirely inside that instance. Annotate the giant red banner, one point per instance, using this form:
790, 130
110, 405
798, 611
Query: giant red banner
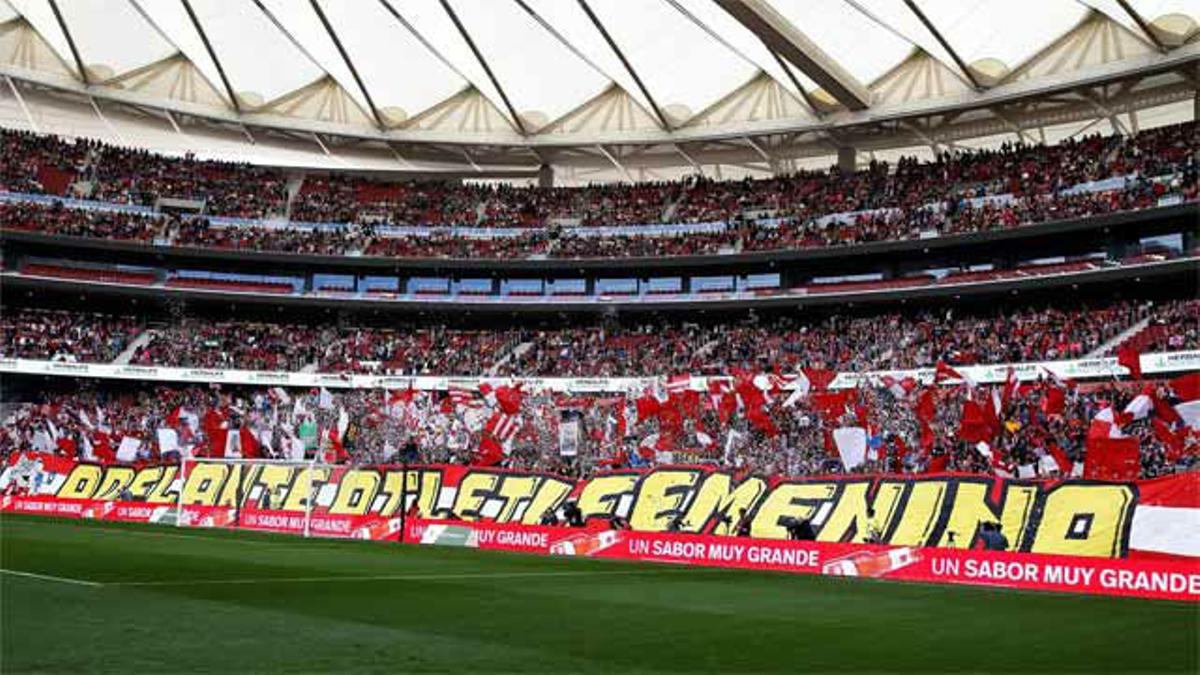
1127, 538
1165, 579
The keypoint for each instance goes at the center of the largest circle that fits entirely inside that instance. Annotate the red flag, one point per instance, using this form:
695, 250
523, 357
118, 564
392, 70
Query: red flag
509, 399
925, 406
937, 464
1173, 441
622, 425
502, 426
335, 443
490, 452
647, 407
1131, 357
1112, 459
832, 404
727, 407
678, 383
927, 438
1060, 458
102, 448
214, 429
1054, 401
974, 426
819, 379
761, 421
401, 396
830, 448
943, 372
1187, 387
1011, 384
250, 449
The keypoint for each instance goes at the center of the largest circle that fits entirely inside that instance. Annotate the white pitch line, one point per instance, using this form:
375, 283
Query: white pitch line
384, 577
47, 577
127, 532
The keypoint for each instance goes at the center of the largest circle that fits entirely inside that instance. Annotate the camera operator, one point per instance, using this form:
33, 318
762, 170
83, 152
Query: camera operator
799, 529
572, 514
743, 524
993, 538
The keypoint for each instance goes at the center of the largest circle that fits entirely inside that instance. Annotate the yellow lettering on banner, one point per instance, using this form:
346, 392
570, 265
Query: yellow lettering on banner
551, 492
396, 491
515, 491
270, 478
237, 485
473, 490
307, 482
115, 479
203, 484
659, 498
428, 488
850, 510
393, 488
145, 480
162, 492
919, 516
717, 497
81, 483
601, 495
971, 508
356, 490
790, 500
1086, 520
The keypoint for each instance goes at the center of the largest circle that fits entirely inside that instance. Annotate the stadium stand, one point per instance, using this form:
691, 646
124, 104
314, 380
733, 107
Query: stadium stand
918, 431
1012, 186
918, 339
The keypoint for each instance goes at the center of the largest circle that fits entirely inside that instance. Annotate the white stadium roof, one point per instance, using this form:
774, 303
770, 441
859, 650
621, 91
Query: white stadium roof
611, 87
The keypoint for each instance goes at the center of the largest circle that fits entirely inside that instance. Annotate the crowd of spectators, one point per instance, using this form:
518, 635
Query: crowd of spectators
133, 176
787, 342
1013, 185
1041, 428
58, 335
37, 164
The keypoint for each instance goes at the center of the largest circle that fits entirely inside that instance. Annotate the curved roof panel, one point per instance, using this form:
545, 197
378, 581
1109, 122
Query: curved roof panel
506, 70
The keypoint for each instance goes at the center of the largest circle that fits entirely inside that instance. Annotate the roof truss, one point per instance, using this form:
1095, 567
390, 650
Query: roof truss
781, 36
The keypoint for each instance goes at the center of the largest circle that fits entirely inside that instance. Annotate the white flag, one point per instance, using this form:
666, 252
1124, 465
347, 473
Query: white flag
168, 440
128, 449
851, 443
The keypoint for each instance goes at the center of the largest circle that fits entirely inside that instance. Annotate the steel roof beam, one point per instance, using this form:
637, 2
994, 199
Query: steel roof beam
796, 82
937, 34
24, 108
612, 44
782, 36
684, 154
337, 42
462, 30
1141, 23
616, 163
212, 54
62, 24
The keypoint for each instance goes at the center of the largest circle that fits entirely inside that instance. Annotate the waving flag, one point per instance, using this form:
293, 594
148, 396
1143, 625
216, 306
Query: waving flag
509, 398
678, 383
943, 373
1115, 459
851, 444
1130, 356
502, 426
1054, 400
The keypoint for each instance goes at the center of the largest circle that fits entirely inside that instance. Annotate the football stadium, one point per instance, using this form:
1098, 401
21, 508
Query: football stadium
603, 336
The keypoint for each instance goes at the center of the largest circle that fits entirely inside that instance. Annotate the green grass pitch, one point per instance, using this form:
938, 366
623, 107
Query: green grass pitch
140, 599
